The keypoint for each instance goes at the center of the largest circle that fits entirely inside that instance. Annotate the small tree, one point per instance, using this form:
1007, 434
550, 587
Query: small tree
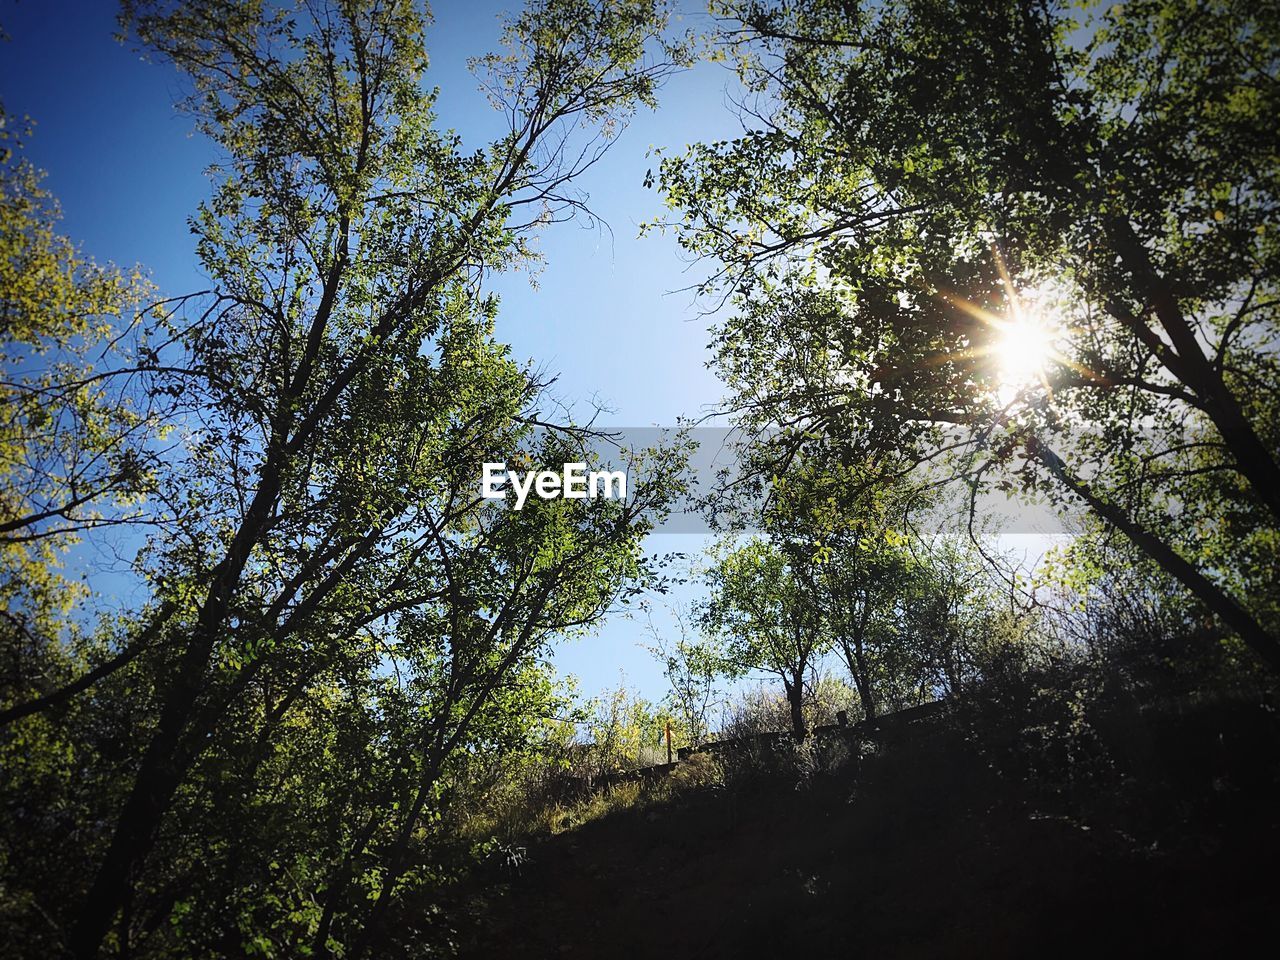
768, 618
693, 663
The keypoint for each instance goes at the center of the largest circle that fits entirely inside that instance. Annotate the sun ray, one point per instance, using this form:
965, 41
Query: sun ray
1026, 341
975, 311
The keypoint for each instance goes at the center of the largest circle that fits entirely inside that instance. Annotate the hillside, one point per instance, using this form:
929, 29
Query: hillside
1157, 835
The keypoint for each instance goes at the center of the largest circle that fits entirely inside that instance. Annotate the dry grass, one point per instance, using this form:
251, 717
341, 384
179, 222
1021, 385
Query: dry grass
513, 815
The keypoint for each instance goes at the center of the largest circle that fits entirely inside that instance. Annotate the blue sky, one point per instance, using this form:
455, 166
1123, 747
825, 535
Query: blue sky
128, 170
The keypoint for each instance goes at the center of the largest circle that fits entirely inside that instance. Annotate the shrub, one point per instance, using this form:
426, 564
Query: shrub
695, 772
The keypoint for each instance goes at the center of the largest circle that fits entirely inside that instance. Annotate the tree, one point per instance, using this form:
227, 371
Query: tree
848, 521
899, 605
955, 611
694, 664
1046, 233
870, 588
769, 621
337, 621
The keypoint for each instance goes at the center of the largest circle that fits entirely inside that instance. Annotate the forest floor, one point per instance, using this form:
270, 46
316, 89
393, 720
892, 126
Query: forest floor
1155, 833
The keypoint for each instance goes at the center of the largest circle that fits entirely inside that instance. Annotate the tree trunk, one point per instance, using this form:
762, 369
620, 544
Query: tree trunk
338, 885
1190, 365
856, 662
795, 699
171, 752
1205, 590
866, 696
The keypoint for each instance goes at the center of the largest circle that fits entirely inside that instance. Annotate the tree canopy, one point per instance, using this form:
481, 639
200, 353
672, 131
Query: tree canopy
1042, 233
335, 624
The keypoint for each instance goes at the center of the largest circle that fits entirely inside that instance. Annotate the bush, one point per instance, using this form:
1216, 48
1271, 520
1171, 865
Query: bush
697, 771
760, 710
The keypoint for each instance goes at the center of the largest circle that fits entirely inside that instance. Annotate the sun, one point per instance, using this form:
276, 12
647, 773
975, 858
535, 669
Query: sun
1021, 347
1025, 346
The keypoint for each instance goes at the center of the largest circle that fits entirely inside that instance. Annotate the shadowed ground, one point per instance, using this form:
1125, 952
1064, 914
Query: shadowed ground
1161, 839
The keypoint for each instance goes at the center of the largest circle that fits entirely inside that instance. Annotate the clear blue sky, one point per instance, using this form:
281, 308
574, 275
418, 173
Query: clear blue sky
129, 170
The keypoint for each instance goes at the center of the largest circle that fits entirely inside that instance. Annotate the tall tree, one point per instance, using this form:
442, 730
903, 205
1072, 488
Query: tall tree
1049, 226
340, 386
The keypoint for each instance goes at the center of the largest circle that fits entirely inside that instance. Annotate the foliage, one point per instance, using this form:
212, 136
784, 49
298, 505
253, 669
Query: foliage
338, 637
919, 180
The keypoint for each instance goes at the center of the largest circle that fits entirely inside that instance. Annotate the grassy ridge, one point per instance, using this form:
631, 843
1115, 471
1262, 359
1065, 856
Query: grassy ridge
993, 834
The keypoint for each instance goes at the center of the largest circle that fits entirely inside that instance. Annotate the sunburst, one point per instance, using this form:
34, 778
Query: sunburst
1025, 347
1026, 343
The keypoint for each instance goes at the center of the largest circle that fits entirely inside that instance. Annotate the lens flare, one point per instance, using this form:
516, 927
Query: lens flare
1023, 348
1024, 351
